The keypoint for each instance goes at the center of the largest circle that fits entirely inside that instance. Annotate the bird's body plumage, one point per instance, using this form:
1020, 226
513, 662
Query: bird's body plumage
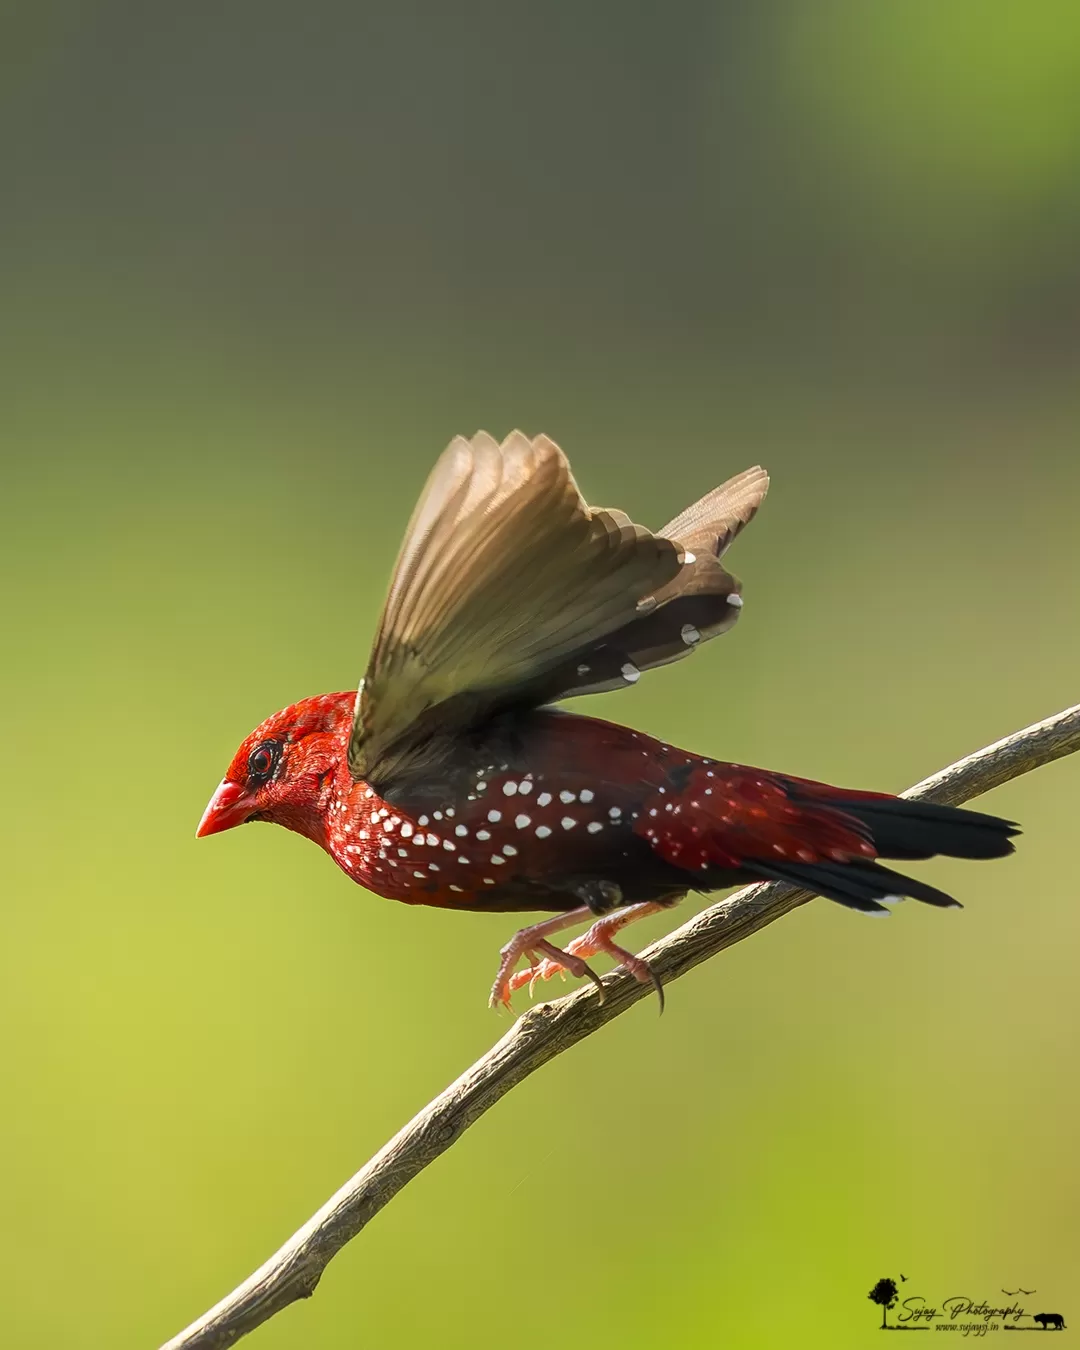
450, 781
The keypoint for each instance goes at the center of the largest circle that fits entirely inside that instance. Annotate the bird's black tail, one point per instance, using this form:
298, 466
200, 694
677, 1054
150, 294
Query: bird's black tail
899, 829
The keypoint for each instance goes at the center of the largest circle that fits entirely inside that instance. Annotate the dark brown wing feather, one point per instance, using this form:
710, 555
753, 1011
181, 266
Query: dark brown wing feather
703, 601
712, 523
504, 574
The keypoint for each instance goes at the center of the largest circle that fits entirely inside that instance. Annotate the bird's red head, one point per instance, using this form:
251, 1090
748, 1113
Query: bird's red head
281, 770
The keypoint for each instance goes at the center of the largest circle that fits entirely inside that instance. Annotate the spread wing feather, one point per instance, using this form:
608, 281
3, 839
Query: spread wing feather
712, 523
504, 572
510, 589
702, 602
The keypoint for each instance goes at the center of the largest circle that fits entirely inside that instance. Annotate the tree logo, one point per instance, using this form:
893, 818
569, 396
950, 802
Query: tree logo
884, 1293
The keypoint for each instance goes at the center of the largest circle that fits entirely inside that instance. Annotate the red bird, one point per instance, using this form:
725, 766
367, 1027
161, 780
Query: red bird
449, 780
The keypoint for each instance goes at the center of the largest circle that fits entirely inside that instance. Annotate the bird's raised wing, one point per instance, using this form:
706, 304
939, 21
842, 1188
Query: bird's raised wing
702, 601
505, 574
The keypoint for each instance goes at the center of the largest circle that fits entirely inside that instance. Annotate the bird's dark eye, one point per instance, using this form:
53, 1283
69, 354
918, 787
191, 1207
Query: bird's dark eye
263, 761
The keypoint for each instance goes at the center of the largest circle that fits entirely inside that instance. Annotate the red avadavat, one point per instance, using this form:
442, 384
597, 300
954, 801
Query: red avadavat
450, 780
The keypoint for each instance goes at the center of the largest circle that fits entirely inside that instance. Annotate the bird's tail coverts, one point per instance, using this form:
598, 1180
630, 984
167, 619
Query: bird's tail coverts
821, 838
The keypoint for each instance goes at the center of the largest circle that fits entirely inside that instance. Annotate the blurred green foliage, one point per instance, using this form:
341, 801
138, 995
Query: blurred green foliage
261, 262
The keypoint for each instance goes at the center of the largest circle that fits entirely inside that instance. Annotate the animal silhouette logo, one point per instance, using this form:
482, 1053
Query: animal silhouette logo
1048, 1320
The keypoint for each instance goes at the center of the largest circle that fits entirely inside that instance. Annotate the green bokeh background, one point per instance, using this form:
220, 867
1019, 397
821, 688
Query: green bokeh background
260, 262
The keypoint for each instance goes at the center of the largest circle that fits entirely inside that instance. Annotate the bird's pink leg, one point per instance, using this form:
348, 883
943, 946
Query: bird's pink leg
529, 941
599, 938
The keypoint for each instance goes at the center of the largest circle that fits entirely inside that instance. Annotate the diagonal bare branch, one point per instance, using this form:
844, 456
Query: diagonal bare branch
549, 1029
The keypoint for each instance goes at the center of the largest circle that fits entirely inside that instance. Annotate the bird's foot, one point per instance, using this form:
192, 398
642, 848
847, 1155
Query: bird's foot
597, 940
533, 943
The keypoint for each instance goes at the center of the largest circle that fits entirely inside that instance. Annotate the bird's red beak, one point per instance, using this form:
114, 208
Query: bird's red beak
230, 805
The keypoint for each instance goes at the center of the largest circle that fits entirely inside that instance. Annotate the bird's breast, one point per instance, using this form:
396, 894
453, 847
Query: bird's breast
514, 834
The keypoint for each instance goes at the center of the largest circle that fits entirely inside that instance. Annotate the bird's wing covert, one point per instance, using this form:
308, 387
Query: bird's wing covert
504, 573
703, 600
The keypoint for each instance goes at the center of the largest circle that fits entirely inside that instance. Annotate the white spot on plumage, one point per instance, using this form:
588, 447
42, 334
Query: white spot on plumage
422, 820
494, 817
567, 797
544, 799
542, 831
616, 811
522, 820
586, 794
449, 845
525, 786
464, 861
406, 829
461, 831
438, 815
497, 859
489, 881
403, 852
483, 834
433, 841
510, 789
421, 875
509, 850
433, 867
595, 827
481, 787
568, 822
456, 888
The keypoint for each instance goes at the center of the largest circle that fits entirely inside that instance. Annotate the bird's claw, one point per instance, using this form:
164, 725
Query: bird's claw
543, 970
531, 942
507, 982
573, 961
